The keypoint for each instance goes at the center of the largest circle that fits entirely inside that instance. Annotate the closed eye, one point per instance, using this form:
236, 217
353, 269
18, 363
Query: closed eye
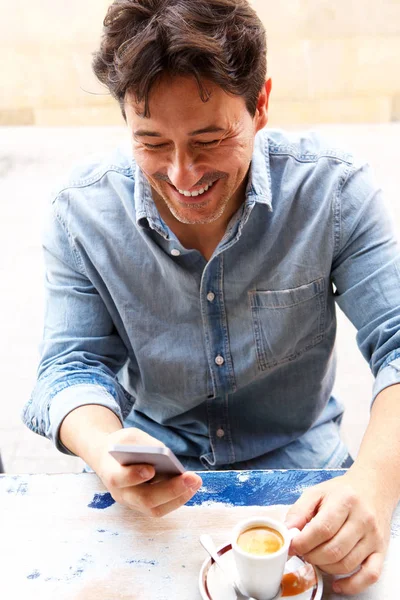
201, 144
207, 143
155, 145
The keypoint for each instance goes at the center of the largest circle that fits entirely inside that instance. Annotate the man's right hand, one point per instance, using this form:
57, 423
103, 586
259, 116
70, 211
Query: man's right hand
134, 487
89, 431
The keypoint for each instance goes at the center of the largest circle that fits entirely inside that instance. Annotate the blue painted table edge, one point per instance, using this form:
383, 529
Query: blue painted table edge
258, 488
235, 488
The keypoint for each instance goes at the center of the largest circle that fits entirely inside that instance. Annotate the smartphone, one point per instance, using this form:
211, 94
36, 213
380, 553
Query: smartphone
163, 459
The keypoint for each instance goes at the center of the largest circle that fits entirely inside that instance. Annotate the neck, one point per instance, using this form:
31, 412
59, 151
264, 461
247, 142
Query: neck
203, 237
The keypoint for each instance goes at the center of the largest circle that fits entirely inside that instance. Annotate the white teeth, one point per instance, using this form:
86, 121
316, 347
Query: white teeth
197, 192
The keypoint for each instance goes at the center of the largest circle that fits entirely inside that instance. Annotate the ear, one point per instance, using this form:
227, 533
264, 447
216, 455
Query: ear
261, 116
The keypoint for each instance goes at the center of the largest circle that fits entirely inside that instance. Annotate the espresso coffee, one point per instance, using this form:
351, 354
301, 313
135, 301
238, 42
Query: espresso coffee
260, 540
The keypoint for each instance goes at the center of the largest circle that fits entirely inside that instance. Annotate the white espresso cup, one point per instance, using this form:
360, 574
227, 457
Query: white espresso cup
260, 575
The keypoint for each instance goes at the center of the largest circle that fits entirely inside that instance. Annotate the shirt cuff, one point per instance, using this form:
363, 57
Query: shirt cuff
73, 397
389, 375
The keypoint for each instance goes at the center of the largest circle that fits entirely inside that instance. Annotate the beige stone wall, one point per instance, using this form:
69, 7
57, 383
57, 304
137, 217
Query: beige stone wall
333, 61
330, 61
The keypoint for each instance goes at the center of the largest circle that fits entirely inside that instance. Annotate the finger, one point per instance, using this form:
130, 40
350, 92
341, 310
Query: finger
337, 548
323, 527
304, 509
168, 507
128, 476
160, 477
351, 561
147, 497
368, 574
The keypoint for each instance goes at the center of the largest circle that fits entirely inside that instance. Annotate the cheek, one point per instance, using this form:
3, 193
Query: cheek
231, 160
148, 162
239, 152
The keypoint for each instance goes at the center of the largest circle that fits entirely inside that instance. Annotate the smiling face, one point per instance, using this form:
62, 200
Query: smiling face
195, 154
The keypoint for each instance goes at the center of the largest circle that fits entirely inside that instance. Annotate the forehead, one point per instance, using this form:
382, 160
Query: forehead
177, 102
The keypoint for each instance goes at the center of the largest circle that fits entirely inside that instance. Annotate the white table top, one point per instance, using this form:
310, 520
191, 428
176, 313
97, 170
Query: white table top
64, 538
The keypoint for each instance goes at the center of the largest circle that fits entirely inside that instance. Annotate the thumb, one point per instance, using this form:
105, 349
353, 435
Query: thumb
304, 509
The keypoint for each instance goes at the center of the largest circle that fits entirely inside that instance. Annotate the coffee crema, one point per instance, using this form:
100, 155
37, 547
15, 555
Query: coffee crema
260, 540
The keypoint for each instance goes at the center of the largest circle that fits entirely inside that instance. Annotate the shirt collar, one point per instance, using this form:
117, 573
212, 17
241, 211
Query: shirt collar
146, 210
259, 184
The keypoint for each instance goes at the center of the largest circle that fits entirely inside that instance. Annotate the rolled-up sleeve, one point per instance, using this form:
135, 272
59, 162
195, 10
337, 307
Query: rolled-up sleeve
366, 273
81, 351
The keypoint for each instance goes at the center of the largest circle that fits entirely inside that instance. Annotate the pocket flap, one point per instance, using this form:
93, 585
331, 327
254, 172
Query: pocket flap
286, 298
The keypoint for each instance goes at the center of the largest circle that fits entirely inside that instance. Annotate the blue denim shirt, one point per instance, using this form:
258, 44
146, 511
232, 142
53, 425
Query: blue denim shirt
229, 362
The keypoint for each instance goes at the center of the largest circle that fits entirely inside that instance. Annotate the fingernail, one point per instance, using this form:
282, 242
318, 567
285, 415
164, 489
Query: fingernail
145, 473
336, 588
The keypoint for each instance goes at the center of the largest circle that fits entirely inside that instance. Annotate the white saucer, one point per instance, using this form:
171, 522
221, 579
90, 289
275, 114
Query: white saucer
213, 585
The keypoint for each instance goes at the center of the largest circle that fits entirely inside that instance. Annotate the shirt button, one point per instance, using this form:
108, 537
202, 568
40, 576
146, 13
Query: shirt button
210, 296
175, 252
219, 360
34, 421
220, 433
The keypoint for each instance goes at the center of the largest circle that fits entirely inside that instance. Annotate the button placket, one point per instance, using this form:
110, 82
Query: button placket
215, 326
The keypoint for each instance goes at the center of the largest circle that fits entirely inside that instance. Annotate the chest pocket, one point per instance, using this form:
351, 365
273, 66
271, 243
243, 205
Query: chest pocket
287, 322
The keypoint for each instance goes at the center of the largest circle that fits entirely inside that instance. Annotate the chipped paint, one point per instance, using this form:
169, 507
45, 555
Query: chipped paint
395, 530
102, 501
19, 490
34, 575
257, 488
138, 561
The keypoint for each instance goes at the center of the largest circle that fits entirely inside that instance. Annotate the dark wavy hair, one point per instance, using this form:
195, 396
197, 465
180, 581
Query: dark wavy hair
222, 41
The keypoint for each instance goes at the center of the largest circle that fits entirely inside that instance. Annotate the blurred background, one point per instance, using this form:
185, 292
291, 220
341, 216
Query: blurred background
331, 62
335, 68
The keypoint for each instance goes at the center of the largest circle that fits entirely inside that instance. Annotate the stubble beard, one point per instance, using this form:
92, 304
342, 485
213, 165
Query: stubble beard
182, 217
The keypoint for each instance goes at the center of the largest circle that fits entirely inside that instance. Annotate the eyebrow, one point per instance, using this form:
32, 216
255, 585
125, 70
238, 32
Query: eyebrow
210, 129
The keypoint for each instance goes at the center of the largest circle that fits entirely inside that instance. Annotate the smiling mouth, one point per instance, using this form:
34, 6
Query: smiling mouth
196, 193
199, 197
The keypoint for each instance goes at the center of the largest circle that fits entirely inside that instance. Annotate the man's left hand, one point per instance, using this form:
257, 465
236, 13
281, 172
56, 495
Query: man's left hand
345, 525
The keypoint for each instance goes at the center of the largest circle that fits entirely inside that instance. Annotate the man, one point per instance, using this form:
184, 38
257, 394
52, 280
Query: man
190, 291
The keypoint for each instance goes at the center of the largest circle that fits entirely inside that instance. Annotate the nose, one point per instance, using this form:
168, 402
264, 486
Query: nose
182, 171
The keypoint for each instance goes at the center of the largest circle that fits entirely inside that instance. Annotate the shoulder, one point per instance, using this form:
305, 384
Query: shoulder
98, 171
306, 164
311, 171
305, 147
94, 200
